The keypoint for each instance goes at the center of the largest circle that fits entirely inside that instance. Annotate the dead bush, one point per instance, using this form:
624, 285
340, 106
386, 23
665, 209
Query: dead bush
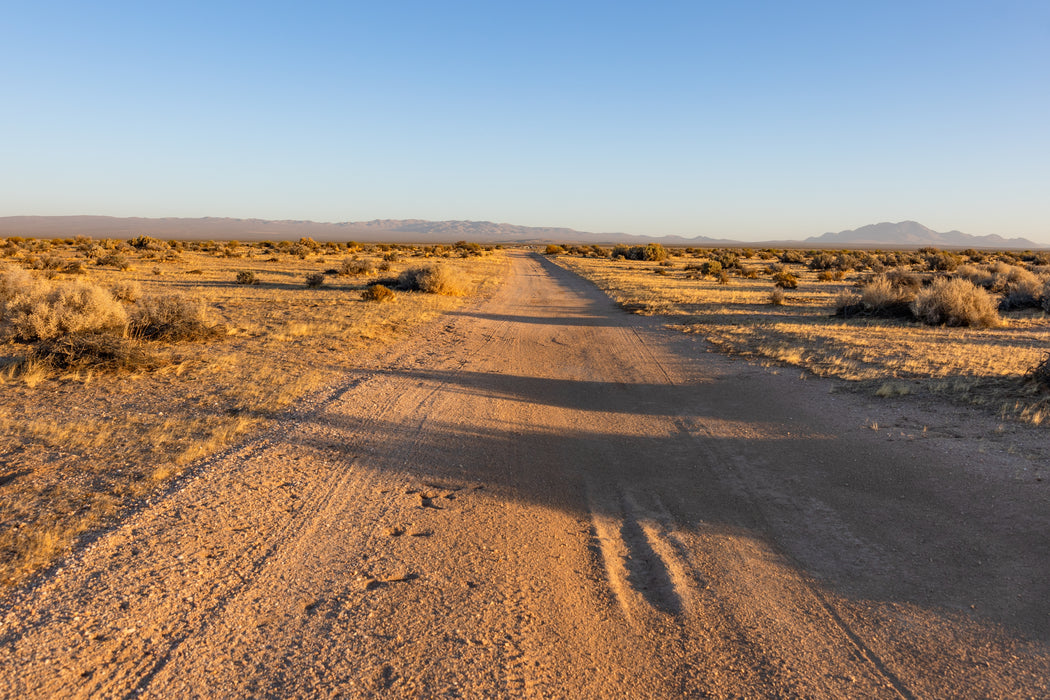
378, 292
40, 311
882, 297
247, 277
955, 302
436, 279
126, 290
776, 297
173, 318
15, 281
113, 259
356, 268
1020, 288
980, 276
96, 351
314, 280
1040, 374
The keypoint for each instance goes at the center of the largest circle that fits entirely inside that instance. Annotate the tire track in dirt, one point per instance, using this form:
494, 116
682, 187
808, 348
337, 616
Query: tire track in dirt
539, 496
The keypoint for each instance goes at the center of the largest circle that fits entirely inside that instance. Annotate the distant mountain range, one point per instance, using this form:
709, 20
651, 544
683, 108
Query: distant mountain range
912, 233
884, 235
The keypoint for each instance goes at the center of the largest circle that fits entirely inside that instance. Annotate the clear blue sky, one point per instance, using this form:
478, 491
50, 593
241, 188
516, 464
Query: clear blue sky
741, 119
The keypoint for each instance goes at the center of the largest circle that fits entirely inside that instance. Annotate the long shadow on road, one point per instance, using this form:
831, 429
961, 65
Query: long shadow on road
806, 492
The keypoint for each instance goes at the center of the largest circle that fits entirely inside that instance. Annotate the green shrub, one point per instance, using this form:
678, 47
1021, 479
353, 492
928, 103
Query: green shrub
940, 260
553, 249
147, 243
785, 280
653, 252
711, 267
955, 302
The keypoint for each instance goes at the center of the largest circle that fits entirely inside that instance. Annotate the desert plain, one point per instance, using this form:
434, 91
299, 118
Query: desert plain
521, 472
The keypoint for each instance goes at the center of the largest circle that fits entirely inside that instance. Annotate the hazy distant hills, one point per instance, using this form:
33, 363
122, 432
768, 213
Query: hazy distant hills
393, 230
884, 235
912, 233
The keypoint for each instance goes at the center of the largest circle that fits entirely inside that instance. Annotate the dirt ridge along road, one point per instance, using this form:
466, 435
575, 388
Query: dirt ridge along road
547, 497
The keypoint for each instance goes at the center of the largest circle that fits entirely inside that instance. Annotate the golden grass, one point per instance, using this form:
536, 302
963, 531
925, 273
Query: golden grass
79, 446
887, 357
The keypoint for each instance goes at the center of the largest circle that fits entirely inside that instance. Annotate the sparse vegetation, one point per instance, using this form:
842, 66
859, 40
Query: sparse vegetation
141, 374
247, 277
965, 326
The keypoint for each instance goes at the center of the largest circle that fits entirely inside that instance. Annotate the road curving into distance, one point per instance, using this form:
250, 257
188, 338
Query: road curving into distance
545, 496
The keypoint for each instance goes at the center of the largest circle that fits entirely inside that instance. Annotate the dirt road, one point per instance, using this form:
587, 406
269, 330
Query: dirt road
544, 496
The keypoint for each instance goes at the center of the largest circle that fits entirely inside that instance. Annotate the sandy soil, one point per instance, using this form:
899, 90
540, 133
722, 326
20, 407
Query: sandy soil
544, 496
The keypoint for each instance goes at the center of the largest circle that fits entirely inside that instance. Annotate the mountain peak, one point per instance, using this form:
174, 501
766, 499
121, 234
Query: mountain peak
912, 233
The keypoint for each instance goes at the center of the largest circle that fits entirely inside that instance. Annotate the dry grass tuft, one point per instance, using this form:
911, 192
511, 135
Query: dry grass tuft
39, 310
173, 317
956, 302
378, 292
435, 279
126, 290
883, 296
